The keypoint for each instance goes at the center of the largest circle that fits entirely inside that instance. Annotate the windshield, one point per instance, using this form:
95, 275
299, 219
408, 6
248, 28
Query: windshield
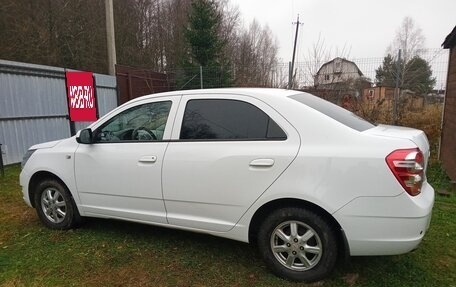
333, 111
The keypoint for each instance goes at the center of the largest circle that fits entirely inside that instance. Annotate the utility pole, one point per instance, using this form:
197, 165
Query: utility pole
290, 77
110, 39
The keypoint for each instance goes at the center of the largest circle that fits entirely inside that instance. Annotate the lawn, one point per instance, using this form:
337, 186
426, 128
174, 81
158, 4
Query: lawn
114, 253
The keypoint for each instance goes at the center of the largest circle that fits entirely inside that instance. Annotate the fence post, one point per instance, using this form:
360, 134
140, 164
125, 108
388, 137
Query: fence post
396, 89
72, 124
201, 76
2, 168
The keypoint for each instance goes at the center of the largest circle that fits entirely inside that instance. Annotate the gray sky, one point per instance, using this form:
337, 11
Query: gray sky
365, 28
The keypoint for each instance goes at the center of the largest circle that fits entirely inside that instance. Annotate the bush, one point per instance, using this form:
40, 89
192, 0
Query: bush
413, 112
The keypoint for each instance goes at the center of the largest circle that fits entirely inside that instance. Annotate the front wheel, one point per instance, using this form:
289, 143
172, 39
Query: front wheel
298, 244
55, 206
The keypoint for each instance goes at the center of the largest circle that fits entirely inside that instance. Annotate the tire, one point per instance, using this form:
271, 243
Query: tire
55, 205
305, 244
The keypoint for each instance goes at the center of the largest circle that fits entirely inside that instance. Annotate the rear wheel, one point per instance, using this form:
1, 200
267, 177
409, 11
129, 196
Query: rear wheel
298, 244
55, 206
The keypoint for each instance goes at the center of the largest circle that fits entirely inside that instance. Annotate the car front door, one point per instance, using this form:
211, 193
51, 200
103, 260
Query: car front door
119, 175
226, 151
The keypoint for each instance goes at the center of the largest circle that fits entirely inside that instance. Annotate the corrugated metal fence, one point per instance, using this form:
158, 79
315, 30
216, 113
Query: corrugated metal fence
33, 106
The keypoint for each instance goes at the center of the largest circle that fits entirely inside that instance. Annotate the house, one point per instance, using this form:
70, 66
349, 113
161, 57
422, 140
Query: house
336, 71
448, 137
340, 81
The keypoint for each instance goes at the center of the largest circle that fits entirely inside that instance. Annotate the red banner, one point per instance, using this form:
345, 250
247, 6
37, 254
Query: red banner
81, 96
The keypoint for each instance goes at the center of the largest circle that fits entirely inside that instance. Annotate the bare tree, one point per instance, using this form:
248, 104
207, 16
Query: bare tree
256, 56
149, 34
316, 56
409, 38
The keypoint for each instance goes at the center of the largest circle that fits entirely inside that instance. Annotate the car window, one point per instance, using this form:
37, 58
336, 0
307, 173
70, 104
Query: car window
221, 119
333, 111
141, 123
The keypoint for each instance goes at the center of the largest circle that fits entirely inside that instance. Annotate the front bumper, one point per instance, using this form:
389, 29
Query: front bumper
386, 225
24, 179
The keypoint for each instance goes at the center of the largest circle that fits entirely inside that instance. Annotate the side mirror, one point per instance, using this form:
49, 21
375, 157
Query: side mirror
85, 136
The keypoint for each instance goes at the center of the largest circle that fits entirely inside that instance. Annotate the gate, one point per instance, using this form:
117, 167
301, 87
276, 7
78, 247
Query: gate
137, 82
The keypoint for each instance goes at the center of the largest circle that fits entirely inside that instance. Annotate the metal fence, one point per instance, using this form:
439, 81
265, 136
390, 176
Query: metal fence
33, 106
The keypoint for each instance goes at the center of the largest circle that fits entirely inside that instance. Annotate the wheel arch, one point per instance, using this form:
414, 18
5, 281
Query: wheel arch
270, 206
39, 176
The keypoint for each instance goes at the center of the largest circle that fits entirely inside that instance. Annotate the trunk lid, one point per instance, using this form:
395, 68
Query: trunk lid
418, 137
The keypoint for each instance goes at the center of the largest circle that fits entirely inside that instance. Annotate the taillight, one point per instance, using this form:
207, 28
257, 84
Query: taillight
407, 166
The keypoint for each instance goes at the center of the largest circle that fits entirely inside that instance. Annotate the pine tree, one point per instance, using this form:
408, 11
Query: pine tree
205, 48
415, 75
418, 76
385, 74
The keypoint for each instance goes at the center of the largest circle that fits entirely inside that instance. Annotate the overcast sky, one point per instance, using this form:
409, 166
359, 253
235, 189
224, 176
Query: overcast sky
365, 28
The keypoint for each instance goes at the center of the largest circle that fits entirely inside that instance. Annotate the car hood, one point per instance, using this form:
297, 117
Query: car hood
46, 145
418, 137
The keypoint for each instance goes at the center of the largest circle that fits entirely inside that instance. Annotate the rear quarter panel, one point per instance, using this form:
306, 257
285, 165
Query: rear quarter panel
335, 163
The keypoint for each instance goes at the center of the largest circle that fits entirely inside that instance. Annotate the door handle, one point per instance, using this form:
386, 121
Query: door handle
148, 158
262, 162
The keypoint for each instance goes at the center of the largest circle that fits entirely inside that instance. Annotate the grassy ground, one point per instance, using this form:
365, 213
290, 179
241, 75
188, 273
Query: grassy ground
114, 253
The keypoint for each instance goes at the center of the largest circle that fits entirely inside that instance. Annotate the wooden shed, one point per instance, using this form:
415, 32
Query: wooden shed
448, 140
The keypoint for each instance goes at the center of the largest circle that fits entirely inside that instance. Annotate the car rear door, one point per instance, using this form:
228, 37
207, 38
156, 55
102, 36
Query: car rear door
226, 151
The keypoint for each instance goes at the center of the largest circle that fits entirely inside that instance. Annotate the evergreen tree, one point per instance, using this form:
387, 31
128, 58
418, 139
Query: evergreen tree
202, 32
415, 75
385, 74
418, 76
205, 48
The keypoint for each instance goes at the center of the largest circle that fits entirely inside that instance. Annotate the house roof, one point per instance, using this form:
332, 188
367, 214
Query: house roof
450, 40
343, 60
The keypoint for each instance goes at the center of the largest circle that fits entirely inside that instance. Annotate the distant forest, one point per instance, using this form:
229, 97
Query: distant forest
148, 33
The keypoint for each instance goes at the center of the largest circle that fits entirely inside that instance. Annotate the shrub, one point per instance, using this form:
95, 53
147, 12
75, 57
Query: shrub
412, 112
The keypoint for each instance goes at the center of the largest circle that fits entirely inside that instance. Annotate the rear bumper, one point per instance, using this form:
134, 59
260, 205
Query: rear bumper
386, 225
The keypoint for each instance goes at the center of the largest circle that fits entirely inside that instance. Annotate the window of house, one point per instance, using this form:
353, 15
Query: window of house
371, 94
220, 119
326, 77
141, 123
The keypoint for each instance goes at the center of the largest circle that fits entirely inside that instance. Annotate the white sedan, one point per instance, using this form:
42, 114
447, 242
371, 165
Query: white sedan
304, 179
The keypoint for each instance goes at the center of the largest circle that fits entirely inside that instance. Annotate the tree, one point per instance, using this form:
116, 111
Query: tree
409, 38
385, 75
202, 32
417, 76
414, 75
414, 72
54, 32
205, 47
256, 57
170, 36
318, 55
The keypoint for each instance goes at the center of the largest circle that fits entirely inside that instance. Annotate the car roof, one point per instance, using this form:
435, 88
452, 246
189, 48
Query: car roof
256, 92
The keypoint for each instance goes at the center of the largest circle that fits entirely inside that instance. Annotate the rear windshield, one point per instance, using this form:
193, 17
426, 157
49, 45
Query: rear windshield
334, 111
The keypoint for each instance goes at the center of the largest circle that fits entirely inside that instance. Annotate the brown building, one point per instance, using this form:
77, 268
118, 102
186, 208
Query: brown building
378, 93
448, 140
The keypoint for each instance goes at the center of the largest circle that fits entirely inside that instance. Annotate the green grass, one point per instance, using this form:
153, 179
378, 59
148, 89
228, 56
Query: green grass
115, 253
